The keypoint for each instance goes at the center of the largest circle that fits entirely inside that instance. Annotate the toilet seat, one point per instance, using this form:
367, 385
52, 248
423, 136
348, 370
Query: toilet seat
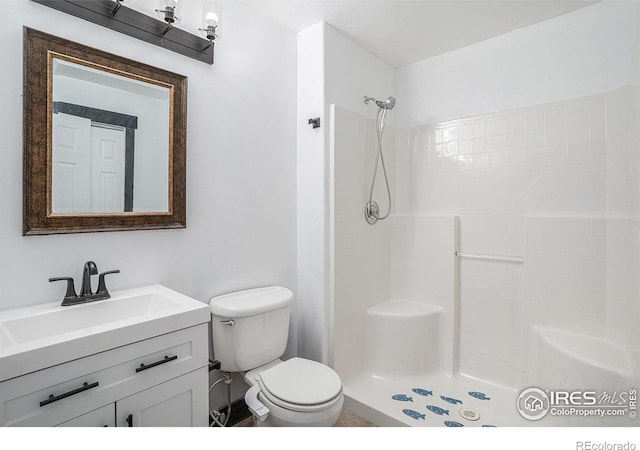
301, 385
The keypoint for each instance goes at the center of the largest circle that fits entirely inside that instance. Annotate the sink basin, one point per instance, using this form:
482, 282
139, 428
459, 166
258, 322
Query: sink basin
79, 317
36, 337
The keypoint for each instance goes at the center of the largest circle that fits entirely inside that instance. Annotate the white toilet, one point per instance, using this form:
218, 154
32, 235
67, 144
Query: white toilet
250, 332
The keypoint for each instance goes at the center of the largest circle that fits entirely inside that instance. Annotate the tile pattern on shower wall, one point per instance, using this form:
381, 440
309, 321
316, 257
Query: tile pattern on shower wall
547, 159
562, 167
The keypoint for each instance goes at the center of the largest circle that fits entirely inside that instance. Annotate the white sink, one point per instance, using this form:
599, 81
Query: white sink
36, 337
61, 320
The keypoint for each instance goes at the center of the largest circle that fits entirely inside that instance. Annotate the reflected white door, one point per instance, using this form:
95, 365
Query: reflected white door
70, 190
107, 169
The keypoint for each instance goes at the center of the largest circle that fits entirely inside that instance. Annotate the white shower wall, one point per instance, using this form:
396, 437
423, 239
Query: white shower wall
535, 183
361, 253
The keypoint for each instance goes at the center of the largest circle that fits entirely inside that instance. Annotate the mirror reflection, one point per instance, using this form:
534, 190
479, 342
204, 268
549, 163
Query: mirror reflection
110, 144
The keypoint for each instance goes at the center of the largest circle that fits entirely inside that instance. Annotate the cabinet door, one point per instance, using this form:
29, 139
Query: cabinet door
101, 417
180, 402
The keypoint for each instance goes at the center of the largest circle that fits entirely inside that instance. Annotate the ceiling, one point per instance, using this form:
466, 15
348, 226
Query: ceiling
405, 31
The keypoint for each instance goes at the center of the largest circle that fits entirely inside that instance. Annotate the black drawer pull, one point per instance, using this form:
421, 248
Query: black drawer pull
130, 420
54, 398
157, 363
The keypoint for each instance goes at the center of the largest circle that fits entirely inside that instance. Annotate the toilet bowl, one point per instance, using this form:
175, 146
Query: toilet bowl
297, 392
250, 331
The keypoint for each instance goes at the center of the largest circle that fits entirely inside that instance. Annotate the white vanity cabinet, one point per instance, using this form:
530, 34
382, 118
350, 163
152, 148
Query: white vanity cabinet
101, 417
174, 403
160, 381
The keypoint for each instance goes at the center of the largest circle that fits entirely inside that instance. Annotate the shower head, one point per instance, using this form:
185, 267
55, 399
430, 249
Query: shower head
387, 104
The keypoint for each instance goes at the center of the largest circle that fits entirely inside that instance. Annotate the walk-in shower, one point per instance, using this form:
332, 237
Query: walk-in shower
505, 276
371, 209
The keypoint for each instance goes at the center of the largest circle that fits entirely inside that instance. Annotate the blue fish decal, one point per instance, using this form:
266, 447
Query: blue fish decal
414, 414
453, 401
437, 410
451, 423
479, 396
488, 426
422, 392
402, 398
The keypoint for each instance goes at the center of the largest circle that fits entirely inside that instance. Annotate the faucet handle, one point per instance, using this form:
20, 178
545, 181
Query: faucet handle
71, 289
102, 287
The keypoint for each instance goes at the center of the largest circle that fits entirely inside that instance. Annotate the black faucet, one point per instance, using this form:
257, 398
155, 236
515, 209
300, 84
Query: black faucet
86, 294
90, 268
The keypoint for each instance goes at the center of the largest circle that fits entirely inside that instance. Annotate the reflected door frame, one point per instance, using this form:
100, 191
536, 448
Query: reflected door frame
130, 124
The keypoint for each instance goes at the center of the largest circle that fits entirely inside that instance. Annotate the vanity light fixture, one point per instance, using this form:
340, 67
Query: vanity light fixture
117, 7
118, 16
211, 16
170, 11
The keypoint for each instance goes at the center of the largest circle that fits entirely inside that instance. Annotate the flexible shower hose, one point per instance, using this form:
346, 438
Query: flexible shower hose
380, 157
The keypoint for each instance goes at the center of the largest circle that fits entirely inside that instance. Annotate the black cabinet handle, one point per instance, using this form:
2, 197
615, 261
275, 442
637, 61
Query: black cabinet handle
130, 420
157, 363
54, 398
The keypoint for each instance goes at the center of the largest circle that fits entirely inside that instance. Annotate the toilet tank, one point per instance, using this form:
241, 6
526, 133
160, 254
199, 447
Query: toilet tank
250, 328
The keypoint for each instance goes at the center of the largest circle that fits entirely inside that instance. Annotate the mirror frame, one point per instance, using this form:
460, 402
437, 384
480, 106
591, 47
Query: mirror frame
38, 218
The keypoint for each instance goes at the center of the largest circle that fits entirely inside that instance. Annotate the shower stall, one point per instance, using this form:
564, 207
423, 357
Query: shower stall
511, 256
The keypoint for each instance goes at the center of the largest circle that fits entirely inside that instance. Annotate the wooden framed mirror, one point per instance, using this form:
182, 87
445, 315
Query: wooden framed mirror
104, 141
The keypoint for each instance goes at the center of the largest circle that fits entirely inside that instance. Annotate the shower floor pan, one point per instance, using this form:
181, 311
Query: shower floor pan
382, 401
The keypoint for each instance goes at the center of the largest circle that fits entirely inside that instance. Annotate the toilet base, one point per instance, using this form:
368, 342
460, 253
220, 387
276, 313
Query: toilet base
280, 417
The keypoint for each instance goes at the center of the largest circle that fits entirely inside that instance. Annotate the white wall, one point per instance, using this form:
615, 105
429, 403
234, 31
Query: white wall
312, 187
585, 52
331, 70
241, 168
352, 72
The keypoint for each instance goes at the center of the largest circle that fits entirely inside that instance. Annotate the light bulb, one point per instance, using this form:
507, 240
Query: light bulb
170, 10
211, 19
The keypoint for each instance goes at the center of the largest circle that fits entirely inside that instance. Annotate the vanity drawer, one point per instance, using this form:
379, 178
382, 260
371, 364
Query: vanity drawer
54, 395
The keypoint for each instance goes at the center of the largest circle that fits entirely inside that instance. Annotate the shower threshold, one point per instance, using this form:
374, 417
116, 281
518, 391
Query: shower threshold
431, 400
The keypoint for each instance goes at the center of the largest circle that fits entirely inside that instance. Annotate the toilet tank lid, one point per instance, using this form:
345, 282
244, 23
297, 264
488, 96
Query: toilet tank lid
250, 302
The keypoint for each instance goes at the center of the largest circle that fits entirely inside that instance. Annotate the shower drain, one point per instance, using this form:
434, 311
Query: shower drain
469, 414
